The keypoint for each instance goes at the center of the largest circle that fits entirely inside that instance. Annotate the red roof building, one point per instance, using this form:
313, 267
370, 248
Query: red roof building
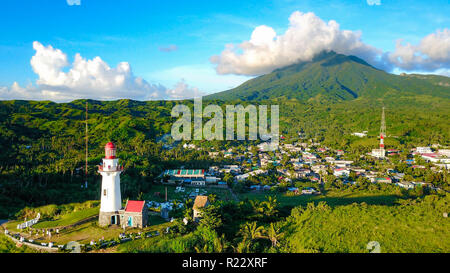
134, 206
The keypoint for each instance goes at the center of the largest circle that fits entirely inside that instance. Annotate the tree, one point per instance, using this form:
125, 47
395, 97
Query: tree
250, 231
274, 234
210, 217
269, 207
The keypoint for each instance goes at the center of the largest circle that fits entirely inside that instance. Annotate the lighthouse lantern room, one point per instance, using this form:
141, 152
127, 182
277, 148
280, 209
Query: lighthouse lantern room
111, 201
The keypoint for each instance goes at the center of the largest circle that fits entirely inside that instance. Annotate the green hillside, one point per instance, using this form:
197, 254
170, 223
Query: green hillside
335, 77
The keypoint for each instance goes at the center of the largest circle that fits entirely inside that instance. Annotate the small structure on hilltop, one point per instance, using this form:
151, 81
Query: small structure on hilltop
135, 213
201, 201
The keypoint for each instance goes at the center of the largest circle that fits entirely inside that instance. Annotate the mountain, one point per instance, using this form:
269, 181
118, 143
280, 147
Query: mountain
335, 77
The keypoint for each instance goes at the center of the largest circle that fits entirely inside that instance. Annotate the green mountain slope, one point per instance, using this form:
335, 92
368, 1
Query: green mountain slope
335, 77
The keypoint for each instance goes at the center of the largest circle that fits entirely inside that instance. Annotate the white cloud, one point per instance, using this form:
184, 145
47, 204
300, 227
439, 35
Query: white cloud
306, 36
374, 2
309, 35
432, 53
93, 79
182, 91
73, 2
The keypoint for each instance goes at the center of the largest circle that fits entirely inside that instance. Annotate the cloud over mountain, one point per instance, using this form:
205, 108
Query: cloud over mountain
85, 78
308, 35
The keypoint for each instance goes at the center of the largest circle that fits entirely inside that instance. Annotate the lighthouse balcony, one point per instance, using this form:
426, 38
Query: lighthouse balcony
117, 168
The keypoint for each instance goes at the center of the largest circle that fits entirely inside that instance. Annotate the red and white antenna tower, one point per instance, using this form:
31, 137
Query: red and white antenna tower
86, 167
382, 130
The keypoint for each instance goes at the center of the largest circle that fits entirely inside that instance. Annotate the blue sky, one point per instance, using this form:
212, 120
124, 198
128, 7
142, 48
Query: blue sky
137, 31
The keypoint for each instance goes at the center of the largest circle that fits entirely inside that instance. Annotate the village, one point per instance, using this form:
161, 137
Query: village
302, 169
296, 169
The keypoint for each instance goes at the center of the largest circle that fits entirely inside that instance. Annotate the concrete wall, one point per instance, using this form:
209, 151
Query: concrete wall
34, 246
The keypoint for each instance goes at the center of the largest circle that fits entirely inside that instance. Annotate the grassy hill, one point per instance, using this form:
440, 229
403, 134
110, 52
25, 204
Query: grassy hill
335, 77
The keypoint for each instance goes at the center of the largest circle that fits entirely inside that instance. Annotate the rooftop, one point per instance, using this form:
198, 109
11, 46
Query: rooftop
134, 206
200, 201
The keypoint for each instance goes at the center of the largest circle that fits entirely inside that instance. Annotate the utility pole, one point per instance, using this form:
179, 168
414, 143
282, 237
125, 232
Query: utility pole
86, 167
383, 125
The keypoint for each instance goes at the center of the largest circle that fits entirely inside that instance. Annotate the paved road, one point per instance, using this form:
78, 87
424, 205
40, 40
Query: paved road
2, 221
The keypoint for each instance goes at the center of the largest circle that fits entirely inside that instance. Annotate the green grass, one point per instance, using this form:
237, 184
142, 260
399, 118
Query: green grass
69, 219
333, 198
8, 246
155, 220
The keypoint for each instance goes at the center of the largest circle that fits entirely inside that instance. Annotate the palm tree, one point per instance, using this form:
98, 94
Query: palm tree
274, 234
270, 207
251, 231
220, 244
202, 250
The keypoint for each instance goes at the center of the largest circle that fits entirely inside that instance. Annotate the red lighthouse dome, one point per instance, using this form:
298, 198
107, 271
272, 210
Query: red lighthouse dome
110, 150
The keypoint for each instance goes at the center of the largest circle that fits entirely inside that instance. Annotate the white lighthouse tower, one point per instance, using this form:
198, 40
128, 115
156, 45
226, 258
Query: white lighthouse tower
111, 200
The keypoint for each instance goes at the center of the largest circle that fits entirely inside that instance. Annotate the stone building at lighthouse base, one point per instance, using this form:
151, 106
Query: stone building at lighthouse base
135, 214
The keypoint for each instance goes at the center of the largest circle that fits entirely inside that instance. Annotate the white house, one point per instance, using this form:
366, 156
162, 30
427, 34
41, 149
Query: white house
424, 150
341, 172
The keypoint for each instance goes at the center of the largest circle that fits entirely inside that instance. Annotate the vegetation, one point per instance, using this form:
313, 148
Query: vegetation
42, 163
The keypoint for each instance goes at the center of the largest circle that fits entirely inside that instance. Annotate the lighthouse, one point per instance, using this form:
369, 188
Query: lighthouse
111, 200
381, 153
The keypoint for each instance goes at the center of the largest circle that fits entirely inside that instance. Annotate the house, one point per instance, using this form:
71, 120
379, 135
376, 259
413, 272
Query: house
135, 214
363, 134
211, 179
424, 150
185, 175
382, 180
341, 163
309, 191
319, 168
302, 173
341, 172
231, 169
435, 158
198, 183
201, 201
247, 175
405, 185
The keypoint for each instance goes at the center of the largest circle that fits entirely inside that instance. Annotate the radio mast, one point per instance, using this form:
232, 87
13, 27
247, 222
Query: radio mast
86, 167
383, 125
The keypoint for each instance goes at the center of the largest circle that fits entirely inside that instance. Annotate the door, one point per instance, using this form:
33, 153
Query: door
113, 220
130, 221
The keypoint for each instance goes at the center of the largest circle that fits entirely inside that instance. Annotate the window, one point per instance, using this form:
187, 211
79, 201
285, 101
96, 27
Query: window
104, 192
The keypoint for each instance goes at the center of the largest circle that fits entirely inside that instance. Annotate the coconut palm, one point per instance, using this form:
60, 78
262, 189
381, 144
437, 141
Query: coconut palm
274, 234
251, 232
270, 207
